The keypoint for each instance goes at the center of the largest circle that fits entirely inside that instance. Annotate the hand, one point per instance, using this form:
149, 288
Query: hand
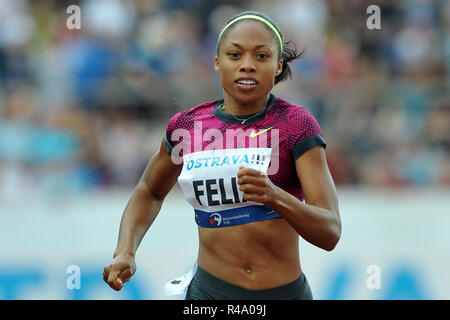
119, 271
256, 186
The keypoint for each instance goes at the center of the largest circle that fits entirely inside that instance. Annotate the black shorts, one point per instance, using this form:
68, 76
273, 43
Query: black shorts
205, 286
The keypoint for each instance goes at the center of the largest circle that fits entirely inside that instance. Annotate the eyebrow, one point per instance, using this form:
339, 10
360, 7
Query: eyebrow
258, 46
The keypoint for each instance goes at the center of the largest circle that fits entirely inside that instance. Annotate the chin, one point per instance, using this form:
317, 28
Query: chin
244, 98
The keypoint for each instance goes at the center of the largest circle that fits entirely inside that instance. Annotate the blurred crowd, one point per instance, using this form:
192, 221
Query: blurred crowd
86, 109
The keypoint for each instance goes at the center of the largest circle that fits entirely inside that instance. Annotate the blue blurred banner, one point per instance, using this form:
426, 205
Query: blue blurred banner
393, 232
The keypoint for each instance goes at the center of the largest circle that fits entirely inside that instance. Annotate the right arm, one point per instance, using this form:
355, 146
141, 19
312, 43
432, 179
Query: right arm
158, 179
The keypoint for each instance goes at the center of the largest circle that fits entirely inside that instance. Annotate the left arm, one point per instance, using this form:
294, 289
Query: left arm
317, 220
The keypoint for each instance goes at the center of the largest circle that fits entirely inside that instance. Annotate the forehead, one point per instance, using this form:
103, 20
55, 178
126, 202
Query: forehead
249, 32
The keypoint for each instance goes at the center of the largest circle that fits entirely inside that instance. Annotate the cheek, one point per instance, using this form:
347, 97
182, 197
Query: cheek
226, 73
269, 76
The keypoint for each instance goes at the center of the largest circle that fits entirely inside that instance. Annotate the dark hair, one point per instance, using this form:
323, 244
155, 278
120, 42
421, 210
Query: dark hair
288, 54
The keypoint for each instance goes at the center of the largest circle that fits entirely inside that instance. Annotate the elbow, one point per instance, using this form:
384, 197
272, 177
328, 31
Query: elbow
333, 237
331, 244
144, 189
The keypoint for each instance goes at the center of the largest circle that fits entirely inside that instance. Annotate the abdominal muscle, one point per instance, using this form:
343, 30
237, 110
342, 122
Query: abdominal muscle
256, 256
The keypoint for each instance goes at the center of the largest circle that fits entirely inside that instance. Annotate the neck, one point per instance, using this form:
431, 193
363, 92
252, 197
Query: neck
237, 107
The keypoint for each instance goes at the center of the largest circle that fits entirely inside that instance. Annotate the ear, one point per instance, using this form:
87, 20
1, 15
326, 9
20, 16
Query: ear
279, 67
217, 64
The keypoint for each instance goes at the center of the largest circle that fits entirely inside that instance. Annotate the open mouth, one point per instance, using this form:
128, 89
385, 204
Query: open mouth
246, 84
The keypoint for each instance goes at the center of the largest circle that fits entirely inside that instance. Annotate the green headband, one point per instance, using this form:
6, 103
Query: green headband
251, 16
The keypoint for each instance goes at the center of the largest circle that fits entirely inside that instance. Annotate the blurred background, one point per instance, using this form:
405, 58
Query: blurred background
83, 111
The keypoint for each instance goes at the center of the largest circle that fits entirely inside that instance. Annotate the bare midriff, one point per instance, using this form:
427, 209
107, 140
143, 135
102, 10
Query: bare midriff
256, 256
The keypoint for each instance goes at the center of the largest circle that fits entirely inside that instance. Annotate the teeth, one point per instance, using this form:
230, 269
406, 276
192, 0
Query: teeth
246, 82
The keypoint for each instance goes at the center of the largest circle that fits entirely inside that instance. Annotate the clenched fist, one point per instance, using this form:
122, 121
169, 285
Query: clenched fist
119, 271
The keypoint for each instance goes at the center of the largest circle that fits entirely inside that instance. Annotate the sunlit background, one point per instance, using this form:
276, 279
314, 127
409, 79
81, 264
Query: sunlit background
83, 111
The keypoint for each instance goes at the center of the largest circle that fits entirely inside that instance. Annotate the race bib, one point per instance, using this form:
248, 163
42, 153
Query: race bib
209, 183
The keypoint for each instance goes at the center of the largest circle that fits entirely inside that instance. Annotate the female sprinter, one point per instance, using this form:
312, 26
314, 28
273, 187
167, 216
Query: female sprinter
249, 217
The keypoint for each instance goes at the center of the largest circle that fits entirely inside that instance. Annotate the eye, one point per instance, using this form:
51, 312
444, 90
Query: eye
261, 56
234, 55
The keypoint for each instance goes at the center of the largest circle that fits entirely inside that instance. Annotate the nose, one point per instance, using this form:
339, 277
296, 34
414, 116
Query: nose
248, 64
